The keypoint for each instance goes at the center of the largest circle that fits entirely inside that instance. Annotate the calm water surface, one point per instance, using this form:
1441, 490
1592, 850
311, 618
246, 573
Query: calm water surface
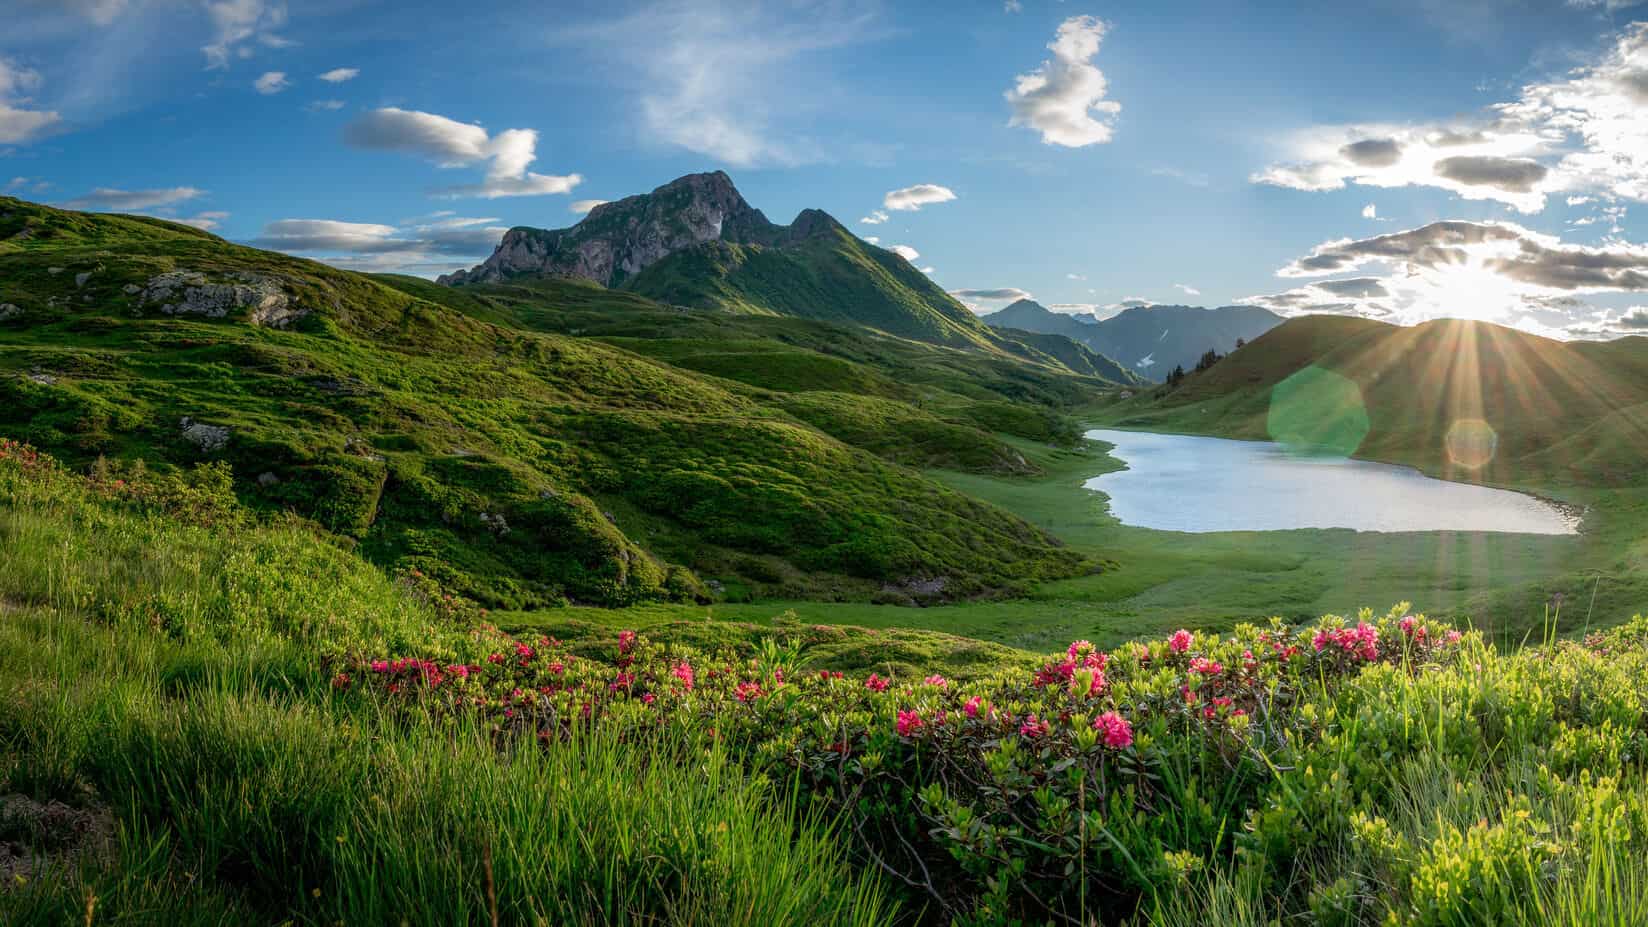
1184, 483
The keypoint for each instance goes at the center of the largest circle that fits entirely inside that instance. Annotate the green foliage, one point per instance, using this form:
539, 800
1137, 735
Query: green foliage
431, 426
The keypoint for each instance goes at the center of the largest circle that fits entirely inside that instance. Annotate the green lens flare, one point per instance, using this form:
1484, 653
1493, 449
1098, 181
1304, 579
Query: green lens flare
1317, 411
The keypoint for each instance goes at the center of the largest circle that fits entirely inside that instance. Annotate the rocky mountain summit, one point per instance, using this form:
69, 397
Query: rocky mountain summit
618, 240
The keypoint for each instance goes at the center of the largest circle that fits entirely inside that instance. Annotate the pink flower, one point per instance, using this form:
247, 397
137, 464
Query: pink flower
1078, 648
649, 698
1180, 641
1118, 733
1205, 666
1033, 727
340, 681
683, 672
1094, 679
626, 639
937, 681
972, 707
1453, 637
748, 691
876, 683
908, 721
523, 651
380, 666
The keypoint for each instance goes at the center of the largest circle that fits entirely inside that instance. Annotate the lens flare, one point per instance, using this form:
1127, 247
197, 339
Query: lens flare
1317, 411
1471, 443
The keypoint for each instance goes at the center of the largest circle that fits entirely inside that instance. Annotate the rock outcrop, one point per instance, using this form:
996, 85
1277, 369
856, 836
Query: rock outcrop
618, 240
188, 292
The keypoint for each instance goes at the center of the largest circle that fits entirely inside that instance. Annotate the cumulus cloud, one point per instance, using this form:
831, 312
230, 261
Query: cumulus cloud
905, 251
237, 22
583, 206
1582, 134
339, 75
875, 218
19, 122
271, 82
1515, 175
1495, 271
430, 244
1064, 99
111, 199
1370, 211
452, 144
1373, 152
1187, 289
912, 198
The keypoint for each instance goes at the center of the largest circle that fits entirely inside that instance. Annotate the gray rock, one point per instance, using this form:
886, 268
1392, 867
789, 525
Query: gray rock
44, 379
131, 288
267, 479
186, 292
495, 523
10, 311
81, 278
618, 240
54, 271
208, 438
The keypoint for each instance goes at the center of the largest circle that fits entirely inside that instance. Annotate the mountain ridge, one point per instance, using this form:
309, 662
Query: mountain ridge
1149, 340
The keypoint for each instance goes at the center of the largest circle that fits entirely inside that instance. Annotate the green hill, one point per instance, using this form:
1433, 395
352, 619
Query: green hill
486, 436
1466, 400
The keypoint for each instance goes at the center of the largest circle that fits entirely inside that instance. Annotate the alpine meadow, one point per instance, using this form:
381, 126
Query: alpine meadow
437, 487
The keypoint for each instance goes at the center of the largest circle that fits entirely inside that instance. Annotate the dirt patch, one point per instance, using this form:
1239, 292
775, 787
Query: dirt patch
36, 837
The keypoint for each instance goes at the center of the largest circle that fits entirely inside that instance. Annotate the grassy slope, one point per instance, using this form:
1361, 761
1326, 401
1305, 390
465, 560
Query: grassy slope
167, 683
399, 421
227, 781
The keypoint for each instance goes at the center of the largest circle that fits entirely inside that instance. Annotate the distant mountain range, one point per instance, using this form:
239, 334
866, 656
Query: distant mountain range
1149, 340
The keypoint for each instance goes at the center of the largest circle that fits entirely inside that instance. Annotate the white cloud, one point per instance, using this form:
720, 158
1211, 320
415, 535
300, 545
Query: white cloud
1193, 178
1012, 6
1370, 211
99, 12
875, 218
929, 270
1061, 98
905, 251
1582, 133
108, 198
1187, 289
432, 244
235, 22
271, 82
583, 206
205, 221
325, 105
873, 239
27, 185
339, 75
913, 198
18, 123
1075, 276
997, 294
730, 80
450, 144
1493, 271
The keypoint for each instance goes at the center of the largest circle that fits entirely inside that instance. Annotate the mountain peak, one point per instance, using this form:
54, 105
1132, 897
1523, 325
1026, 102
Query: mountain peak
618, 240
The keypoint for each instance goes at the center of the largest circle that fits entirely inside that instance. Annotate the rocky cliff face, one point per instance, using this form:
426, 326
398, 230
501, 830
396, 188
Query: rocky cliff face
618, 240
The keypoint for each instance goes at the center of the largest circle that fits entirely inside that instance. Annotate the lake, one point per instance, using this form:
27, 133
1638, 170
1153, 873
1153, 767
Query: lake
1185, 483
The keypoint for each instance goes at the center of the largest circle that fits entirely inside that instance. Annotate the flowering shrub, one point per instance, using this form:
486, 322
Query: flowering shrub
1038, 794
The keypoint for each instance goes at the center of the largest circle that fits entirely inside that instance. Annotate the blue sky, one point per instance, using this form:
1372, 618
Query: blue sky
1085, 153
